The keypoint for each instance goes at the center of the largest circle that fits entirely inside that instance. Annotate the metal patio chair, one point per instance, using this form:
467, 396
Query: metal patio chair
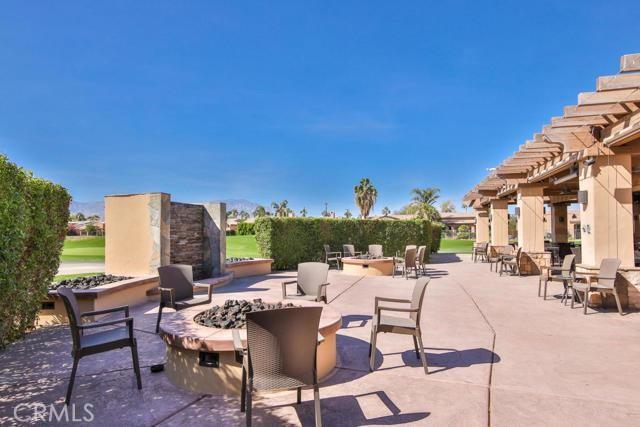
280, 354
400, 325
176, 289
420, 264
480, 250
494, 258
511, 262
311, 282
564, 274
349, 251
376, 251
407, 263
100, 341
605, 283
332, 256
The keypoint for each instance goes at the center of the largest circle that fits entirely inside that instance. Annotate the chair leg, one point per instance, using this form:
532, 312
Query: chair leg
372, 356
545, 290
76, 359
371, 342
422, 355
299, 397
539, 286
415, 346
243, 391
586, 300
159, 317
248, 402
316, 402
136, 363
573, 293
615, 294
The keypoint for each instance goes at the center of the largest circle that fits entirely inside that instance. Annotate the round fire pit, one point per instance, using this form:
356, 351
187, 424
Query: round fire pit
202, 359
361, 266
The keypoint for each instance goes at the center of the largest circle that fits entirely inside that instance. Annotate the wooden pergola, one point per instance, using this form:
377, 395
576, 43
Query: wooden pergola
590, 154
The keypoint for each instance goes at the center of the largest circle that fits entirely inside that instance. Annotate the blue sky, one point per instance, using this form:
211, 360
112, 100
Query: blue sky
292, 100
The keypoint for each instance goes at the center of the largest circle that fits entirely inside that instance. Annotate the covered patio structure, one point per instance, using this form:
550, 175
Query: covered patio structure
590, 155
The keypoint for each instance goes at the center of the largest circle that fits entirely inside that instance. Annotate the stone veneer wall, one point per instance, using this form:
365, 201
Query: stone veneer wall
186, 237
532, 262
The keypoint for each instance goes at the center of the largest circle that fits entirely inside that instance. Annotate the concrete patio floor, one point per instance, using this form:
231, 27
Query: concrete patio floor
498, 355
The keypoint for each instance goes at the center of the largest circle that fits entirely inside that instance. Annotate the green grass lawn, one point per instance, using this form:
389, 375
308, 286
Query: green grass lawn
83, 249
242, 246
456, 246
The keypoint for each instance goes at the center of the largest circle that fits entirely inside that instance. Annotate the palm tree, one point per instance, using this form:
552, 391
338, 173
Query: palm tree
303, 212
366, 195
447, 206
386, 211
281, 209
244, 215
233, 213
259, 211
348, 214
424, 199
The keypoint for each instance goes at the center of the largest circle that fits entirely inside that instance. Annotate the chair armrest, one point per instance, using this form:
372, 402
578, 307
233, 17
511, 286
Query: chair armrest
320, 339
284, 287
378, 299
397, 309
209, 287
324, 285
124, 308
357, 253
237, 345
92, 325
167, 295
338, 254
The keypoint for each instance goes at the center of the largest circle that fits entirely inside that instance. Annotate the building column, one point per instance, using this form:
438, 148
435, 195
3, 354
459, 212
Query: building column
607, 216
559, 223
482, 225
499, 222
531, 219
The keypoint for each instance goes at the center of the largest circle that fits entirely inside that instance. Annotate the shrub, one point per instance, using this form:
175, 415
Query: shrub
33, 223
290, 241
436, 237
246, 228
463, 232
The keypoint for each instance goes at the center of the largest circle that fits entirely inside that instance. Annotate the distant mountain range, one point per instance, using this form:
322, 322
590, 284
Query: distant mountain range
97, 208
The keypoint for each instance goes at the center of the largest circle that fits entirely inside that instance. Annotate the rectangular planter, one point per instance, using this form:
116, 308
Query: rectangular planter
253, 267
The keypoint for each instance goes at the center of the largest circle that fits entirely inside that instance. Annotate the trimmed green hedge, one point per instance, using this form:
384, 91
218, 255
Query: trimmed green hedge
33, 223
246, 228
436, 237
290, 241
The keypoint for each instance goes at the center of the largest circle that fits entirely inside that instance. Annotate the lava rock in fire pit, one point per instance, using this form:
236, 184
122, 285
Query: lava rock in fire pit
233, 314
88, 282
238, 259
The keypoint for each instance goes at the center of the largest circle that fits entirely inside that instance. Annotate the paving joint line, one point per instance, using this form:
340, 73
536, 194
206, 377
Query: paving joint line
341, 293
493, 346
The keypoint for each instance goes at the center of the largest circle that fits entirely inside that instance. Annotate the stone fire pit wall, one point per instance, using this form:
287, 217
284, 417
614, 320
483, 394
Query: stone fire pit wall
146, 231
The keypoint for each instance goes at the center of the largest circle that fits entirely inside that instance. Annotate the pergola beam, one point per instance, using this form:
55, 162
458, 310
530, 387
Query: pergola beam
630, 63
621, 81
617, 109
564, 122
608, 97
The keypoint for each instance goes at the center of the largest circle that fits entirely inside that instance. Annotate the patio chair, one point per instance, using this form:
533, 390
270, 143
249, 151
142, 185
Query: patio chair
407, 263
605, 283
376, 251
280, 354
494, 256
349, 251
332, 256
420, 259
400, 325
511, 262
97, 342
176, 289
566, 275
311, 282
480, 251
